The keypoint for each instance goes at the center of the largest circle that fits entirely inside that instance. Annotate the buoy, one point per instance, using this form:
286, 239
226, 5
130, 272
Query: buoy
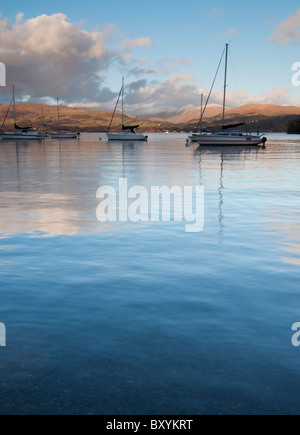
264, 141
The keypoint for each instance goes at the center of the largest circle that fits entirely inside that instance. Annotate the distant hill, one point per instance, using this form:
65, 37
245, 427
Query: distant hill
267, 117
265, 110
73, 119
194, 114
250, 110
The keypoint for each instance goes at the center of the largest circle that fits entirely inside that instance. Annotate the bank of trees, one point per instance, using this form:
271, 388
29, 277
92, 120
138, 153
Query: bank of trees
293, 127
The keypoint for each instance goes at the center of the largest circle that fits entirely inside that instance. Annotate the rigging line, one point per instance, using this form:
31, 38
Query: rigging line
210, 92
111, 121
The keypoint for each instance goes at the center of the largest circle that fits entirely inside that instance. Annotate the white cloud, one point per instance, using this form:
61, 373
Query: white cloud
216, 12
277, 96
142, 71
19, 18
230, 32
287, 32
180, 78
130, 44
179, 93
170, 64
50, 56
179, 61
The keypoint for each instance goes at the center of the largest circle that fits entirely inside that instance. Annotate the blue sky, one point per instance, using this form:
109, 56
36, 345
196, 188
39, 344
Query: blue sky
169, 48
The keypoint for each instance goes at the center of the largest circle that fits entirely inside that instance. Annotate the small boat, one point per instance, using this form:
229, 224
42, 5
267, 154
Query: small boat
128, 133
20, 133
226, 136
62, 134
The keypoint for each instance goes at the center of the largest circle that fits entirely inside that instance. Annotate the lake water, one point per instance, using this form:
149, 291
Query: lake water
144, 318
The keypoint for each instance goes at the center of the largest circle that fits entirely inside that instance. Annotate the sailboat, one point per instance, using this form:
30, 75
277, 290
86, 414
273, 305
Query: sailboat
20, 133
128, 132
62, 134
227, 136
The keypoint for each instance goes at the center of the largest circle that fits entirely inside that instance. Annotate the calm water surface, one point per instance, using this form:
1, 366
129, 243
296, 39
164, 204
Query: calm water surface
131, 318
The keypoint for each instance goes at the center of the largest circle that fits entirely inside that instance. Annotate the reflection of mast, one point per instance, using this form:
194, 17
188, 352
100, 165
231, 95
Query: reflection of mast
220, 189
221, 199
18, 167
60, 157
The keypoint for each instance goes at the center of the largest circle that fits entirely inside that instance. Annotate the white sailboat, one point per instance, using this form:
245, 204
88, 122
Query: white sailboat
20, 133
62, 134
128, 132
227, 136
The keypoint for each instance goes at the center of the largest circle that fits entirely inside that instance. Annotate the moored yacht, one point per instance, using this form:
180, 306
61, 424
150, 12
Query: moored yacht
227, 136
62, 134
20, 133
128, 133
234, 137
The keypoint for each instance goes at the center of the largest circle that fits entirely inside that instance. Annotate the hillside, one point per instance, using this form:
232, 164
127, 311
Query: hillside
194, 114
250, 110
73, 119
266, 117
265, 110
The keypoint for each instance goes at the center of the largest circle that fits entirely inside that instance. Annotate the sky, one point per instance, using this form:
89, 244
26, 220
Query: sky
168, 52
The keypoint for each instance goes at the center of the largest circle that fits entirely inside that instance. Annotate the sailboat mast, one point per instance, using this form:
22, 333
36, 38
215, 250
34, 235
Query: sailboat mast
58, 119
122, 102
225, 83
202, 95
42, 119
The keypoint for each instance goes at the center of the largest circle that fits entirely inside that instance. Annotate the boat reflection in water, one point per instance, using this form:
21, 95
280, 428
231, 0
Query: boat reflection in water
221, 155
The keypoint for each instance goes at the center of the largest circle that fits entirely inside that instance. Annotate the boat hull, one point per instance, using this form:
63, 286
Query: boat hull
63, 135
127, 136
21, 136
223, 140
